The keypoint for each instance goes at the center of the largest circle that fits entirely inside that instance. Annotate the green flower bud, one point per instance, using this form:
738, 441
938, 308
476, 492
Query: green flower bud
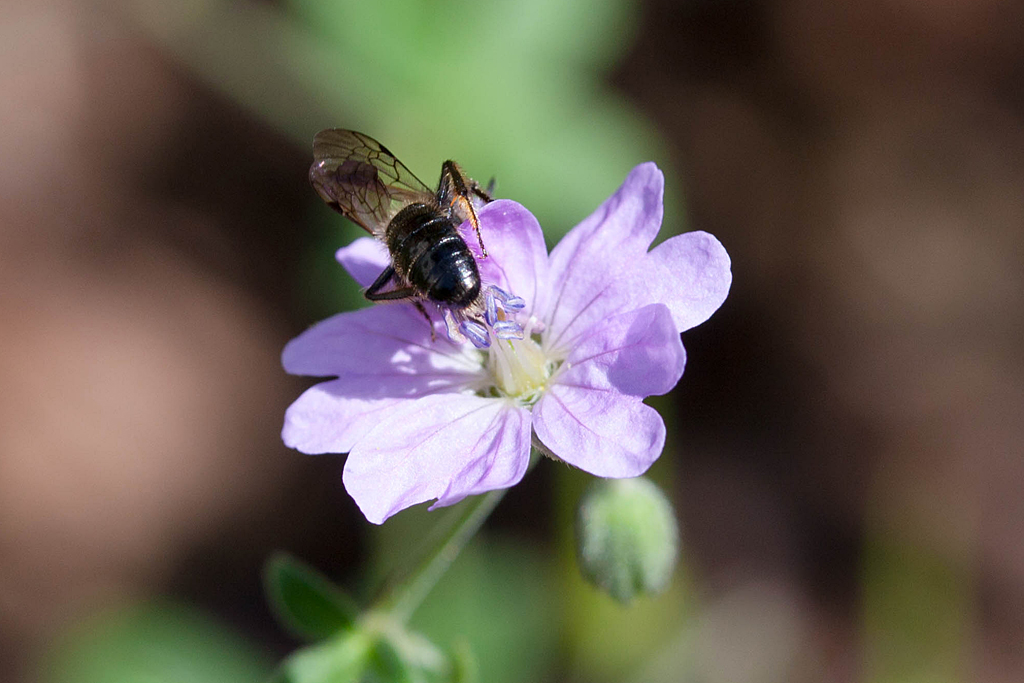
626, 537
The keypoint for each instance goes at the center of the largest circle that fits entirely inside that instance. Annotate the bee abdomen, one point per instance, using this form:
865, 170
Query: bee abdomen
447, 272
428, 252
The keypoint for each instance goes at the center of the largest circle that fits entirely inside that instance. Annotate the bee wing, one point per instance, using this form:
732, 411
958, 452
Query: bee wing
361, 179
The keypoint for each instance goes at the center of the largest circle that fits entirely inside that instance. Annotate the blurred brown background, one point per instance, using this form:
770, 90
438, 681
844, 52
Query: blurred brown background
857, 403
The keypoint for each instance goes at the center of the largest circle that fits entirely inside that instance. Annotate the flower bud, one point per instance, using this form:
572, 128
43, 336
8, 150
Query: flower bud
626, 537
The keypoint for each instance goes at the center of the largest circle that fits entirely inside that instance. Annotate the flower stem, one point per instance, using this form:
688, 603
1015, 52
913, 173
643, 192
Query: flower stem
401, 602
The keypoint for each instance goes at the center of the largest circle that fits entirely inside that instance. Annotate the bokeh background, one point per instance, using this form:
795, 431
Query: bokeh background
845, 446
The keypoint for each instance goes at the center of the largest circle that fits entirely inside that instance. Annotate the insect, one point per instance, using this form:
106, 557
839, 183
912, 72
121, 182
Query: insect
430, 261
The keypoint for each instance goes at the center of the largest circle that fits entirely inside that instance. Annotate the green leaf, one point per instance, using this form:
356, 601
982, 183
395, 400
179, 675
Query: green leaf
341, 659
408, 653
388, 666
465, 667
368, 656
307, 603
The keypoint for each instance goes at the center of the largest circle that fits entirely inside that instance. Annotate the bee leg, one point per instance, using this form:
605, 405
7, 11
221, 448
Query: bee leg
430, 322
484, 193
373, 291
399, 295
453, 194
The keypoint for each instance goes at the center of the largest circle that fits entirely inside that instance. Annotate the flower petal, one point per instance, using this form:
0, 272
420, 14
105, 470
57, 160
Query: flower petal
587, 300
364, 259
325, 419
624, 225
383, 352
517, 258
596, 270
602, 432
444, 446
689, 273
696, 276
637, 353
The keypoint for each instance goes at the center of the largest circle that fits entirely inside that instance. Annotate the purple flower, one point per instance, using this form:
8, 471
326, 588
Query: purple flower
424, 420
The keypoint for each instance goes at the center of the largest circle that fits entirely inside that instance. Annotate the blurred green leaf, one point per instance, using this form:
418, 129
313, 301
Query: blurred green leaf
152, 643
583, 32
388, 666
423, 659
368, 655
305, 601
346, 657
466, 668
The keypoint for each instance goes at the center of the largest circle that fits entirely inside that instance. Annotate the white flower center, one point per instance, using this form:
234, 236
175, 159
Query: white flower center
519, 368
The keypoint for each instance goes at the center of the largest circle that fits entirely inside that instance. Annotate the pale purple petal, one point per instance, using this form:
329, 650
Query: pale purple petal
624, 225
638, 353
517, 258
444, 446
602, 432
383, 351
585, 301
364, 259
597, 269
696, 276
622, 228
326, 419
497, 467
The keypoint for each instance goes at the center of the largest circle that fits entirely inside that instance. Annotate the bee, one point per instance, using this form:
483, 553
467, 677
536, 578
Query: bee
430, 261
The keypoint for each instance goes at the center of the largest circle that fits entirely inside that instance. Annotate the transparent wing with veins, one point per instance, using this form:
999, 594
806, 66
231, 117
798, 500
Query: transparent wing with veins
362, 180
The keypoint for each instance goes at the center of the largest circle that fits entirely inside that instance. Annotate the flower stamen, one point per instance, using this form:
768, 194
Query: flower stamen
463, 324
509, 302
476, 333
519, 368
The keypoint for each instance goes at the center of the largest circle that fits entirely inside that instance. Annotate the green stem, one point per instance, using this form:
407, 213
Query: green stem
401, 602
